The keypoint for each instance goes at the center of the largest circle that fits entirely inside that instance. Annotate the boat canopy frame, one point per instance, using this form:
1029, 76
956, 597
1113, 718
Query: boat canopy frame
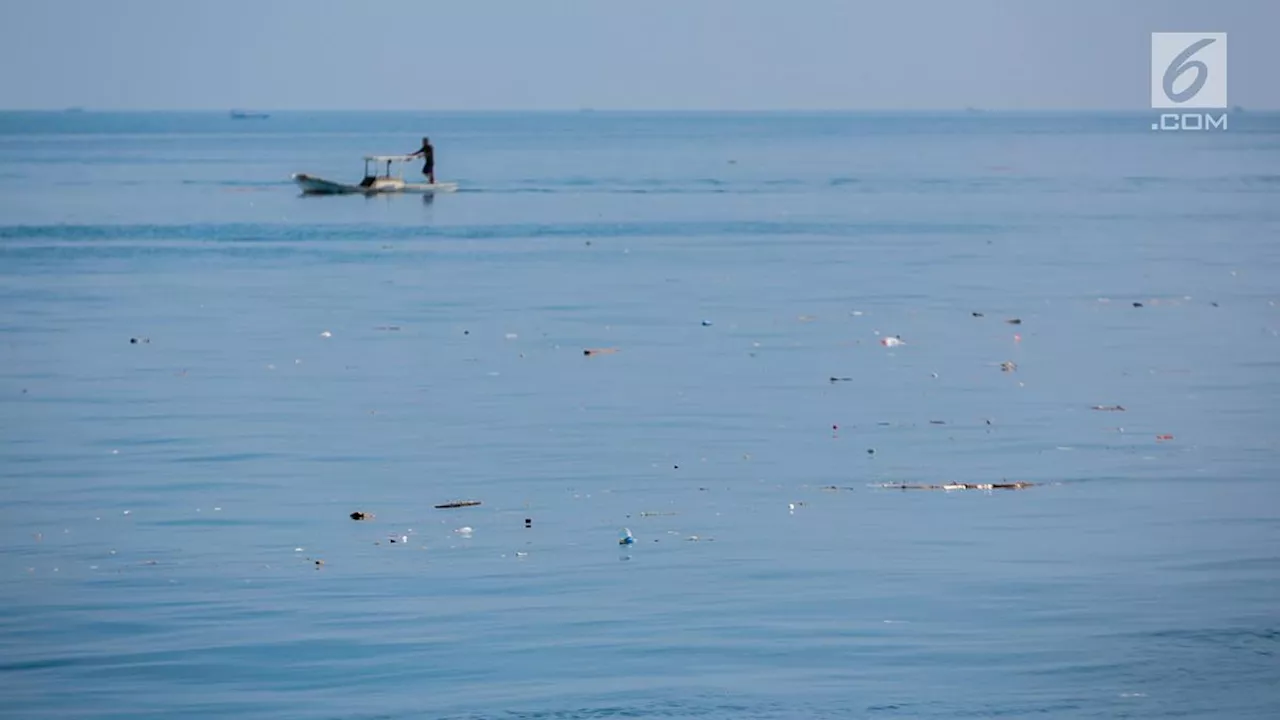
387, 160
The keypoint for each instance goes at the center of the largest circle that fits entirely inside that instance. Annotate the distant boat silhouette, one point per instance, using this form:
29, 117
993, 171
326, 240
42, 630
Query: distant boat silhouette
243, 115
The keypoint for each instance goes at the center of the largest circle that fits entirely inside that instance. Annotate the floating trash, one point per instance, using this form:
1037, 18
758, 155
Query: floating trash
457, 504
359, 515
894, 341
1109, 408
326, 334
627, 538
464, 530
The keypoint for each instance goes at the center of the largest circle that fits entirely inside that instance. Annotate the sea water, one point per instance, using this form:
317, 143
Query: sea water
203, 374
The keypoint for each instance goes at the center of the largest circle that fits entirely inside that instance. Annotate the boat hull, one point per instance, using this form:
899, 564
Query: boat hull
312, 185
319, 186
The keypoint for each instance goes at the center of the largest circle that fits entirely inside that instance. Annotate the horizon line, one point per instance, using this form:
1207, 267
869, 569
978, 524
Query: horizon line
976, 110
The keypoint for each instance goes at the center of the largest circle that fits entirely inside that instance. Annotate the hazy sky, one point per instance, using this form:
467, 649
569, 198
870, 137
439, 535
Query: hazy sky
605, 54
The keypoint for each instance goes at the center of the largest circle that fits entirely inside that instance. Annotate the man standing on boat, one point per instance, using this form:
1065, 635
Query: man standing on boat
428, 154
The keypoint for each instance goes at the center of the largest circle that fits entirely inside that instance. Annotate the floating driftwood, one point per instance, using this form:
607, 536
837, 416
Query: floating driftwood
959, 486
457, 504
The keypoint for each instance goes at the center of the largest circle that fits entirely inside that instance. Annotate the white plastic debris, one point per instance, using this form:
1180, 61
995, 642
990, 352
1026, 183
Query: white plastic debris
326, 334
891, 341
465, 530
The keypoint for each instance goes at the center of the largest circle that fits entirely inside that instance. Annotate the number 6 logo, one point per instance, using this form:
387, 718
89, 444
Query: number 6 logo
1198, 57
1182, 63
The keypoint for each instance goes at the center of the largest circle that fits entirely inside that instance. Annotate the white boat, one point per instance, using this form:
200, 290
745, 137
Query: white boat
373, 183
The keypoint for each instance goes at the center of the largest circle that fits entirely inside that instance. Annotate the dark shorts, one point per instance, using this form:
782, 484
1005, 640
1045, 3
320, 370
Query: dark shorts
428, 168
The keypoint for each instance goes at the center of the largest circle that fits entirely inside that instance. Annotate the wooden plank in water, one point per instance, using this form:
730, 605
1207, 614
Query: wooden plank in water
457, 504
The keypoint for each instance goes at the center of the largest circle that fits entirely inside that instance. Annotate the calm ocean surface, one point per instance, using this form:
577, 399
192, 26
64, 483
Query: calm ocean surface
166, 501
